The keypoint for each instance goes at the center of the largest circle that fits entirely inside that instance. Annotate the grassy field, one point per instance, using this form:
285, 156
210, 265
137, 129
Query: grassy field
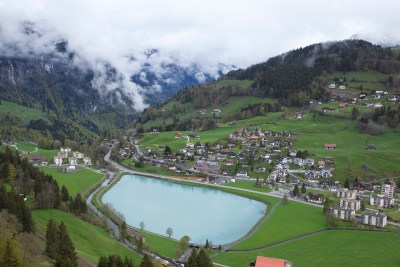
329, 249
247, 185
160, 245
77, 182
25, 113
368, 76
90, 241
34, 150
298, 217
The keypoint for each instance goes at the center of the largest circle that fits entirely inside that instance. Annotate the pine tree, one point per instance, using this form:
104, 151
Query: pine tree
207, 244
27, 221
296, 190
303, 188
102, 262
203, 259
10, 256
64, 193
51, 239
66, 255
346, 183
192, 261
146, 261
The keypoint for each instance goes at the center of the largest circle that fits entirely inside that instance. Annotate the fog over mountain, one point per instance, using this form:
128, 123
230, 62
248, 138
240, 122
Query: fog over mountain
188, 38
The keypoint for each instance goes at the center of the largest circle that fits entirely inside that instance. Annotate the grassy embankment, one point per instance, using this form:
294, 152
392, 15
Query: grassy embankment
90, 241
330, 248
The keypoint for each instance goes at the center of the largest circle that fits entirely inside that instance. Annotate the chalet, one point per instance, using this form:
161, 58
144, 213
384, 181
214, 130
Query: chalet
392, 99
178, 135
37, 158
329, 159
362, 187
87, 161
342, 87
321, 164
270, 262
328, 110
292, 153
189, 144
332, 86
343, 214
24, 154
155, 131
381, 201
330, 146
326, 173
374, 218
342, 105
371, 147
242, 174
310, 162
315, 198
378, 105
298, 161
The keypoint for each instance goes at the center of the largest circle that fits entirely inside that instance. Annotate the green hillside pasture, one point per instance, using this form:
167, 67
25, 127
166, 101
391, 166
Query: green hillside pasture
26, 146
25, 113
90, 241
259, 121
368, 76
77, 182
233, 83
351, 155
167, 138
34, 150
287, 221
235, 103
366, 85
329, 249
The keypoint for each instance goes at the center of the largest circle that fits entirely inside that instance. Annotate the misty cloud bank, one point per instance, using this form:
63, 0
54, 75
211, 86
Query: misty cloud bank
193, 34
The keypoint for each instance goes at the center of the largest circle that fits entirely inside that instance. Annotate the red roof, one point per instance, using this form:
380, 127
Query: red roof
342, 105
269, 262
330, 145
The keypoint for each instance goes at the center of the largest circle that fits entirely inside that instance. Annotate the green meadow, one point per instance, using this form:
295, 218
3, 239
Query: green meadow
75, 182
287, 221
329, 249
90, 241
25, 113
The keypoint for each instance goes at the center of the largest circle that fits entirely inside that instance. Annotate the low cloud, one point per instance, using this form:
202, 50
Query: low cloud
204, 32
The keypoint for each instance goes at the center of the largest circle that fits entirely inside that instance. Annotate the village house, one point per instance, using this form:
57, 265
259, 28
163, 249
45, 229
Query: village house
346, 193
381, 201
374, 218
309, 162
330, 146
350, 203
87, 161
37, 158
270, 262
315, 198
65, 150
343, 214
362, 187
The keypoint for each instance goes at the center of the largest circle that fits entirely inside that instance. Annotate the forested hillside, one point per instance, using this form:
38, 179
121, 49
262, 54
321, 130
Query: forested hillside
292, 79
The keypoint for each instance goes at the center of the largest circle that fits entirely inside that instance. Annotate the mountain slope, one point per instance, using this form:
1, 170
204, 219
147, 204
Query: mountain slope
291, 79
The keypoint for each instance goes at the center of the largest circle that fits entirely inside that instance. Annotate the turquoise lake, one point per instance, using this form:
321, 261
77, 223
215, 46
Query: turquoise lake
201, 213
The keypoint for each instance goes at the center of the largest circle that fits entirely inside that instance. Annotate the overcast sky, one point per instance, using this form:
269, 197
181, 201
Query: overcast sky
207, 31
